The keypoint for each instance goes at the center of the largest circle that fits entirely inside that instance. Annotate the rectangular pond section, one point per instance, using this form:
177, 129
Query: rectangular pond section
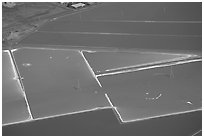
58, 82
126, 25
155, 92
66, 40
110, 61
14, 107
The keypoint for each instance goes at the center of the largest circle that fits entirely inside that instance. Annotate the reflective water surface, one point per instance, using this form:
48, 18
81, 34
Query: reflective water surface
102, 62
58, 82
155, 92
14, 107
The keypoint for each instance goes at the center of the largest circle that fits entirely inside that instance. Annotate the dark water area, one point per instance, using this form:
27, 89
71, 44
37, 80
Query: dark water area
141, 11
175, 26
148, 26
105, 123
130, 28
115, 41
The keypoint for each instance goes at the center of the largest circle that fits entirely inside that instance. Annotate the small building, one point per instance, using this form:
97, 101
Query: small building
13, 35
9, 4
78, 5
